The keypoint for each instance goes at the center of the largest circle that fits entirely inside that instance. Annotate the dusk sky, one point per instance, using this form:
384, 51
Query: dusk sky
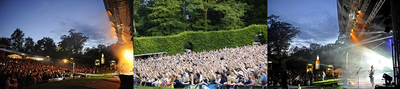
317, 19
54, 18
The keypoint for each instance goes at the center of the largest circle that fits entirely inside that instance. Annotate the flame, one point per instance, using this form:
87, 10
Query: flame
126, 63
128, 55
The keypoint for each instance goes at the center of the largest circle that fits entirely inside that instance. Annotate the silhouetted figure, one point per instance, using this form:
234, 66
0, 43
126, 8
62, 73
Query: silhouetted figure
285, 80
388, 79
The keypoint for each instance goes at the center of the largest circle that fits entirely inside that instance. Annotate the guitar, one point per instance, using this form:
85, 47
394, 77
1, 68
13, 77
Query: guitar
371, 73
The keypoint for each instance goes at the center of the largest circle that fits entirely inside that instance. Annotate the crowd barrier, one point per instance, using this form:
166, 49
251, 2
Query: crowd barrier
210, 86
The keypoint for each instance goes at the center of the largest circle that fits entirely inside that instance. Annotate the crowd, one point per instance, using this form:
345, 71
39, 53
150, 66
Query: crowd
229, 67
18, 73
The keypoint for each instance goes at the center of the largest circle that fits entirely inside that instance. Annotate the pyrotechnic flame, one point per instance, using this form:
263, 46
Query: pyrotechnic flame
126, 62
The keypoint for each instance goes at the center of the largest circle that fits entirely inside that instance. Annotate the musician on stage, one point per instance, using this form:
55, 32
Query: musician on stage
371, 75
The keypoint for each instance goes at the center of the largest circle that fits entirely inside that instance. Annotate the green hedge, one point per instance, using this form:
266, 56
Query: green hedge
201, 41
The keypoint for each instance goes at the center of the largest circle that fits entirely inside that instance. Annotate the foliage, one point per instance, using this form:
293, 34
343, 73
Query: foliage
17, 40
45, 46
280, 35
169, 17
73, 43
5, 41
328, 54
201, 41
257, 14
233, 12
166, 17
93, 53
29, 45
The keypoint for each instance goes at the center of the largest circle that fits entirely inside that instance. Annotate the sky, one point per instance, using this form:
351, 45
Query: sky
54, 18
317, 19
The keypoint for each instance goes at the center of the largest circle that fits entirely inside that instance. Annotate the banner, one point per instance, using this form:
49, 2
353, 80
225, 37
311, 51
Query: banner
210, 86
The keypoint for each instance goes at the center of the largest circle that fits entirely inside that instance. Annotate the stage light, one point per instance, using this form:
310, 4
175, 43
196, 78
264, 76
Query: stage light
65, 60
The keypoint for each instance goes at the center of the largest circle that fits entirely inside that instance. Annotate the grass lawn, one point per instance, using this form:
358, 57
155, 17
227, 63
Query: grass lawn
328, 82
339, 87
66, 84
72, 83
106, 72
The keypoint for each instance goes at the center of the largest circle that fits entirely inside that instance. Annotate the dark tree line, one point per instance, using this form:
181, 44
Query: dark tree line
70, 46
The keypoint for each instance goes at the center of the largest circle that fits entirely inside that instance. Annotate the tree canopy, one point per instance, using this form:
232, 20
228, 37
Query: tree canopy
45, 45
73, 43
17, 40
169, 17
280, 35
29, 45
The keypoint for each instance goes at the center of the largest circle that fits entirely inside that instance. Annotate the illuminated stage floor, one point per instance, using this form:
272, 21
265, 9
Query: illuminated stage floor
362, 84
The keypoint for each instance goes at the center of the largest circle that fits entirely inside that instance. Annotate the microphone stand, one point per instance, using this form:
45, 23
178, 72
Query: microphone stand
358, 78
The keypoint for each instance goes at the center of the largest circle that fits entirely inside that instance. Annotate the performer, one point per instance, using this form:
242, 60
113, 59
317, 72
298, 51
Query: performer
371, 75
323, 76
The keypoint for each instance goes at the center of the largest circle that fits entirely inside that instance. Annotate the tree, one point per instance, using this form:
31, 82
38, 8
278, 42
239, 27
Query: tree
233, 12
73, 43
17, 40
45, 45
102, 47
142, 21
29, 45
212, 15
280, 34
167, 18
5, 41
257, 14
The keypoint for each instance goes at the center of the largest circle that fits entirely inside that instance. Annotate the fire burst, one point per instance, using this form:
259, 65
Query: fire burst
127, 62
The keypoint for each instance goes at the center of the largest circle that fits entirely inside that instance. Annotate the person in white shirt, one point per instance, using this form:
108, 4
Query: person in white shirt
371, 75
323, 76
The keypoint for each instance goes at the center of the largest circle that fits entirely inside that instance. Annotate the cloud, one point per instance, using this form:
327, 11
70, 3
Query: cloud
317, 20
316, 27
99, 33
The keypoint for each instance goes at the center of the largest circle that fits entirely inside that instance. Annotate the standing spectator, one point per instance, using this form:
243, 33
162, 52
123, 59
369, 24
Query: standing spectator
285, 80
264, 78
177, 83
240, 79
14, 82
8, 83
34, 80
